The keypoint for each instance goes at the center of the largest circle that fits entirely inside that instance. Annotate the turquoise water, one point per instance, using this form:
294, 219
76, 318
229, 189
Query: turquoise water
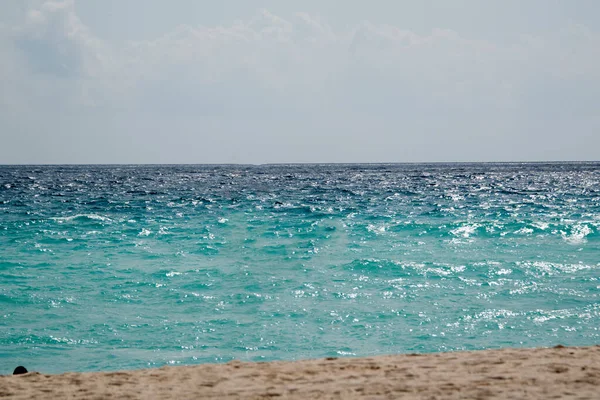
119, 267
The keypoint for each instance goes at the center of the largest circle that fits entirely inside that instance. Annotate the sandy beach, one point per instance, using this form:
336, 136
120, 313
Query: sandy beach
560, 372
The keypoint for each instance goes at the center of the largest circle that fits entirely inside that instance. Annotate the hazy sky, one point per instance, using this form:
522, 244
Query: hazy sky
250, 81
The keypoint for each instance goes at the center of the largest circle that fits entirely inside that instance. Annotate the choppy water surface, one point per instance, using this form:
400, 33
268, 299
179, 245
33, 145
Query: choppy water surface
114, 267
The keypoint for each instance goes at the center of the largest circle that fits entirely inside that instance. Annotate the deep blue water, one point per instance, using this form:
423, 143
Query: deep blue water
118, 267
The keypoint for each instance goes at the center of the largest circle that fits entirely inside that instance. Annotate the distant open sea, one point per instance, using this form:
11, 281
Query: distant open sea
121, 267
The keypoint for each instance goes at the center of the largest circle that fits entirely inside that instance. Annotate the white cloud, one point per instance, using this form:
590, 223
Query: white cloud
273, 56
55, 42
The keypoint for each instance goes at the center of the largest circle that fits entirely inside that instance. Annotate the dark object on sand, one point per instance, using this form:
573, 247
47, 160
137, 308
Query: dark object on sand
20, 370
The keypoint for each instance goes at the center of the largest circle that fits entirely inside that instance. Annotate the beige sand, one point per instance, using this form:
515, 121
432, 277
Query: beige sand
566, 372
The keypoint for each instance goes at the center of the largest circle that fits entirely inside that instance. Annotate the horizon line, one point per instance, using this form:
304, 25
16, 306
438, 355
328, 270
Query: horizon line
306, 163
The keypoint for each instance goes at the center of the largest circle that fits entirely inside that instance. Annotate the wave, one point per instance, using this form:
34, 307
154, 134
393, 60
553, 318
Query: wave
81, 217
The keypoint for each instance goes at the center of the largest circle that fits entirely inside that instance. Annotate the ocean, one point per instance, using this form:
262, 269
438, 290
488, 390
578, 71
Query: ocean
122, 267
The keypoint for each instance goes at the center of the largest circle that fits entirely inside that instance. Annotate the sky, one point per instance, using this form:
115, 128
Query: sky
312, 81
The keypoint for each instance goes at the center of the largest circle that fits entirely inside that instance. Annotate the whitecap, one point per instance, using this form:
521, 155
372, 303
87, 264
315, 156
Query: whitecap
94, 217
541, 225
524, 231
465, 230
376, 229
578, 234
